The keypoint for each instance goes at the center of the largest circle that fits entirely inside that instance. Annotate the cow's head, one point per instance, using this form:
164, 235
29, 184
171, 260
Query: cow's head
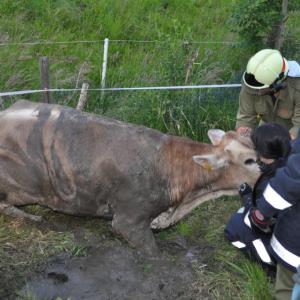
232, 154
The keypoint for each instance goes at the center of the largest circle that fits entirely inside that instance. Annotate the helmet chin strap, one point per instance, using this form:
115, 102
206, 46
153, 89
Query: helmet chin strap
273, 89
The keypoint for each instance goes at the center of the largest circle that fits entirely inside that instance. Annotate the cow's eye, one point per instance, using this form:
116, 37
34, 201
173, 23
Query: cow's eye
249, 161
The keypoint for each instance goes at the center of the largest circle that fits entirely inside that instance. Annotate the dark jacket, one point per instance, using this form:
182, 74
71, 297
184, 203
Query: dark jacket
282, 197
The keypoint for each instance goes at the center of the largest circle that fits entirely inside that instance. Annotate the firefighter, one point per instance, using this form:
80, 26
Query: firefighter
272, 144
280, 201
282, 197
270, 93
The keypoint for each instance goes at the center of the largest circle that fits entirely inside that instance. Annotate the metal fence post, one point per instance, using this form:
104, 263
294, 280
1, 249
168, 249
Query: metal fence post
104, 65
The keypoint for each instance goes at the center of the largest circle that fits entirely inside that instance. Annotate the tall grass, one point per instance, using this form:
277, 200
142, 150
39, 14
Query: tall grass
169, 61
257, 284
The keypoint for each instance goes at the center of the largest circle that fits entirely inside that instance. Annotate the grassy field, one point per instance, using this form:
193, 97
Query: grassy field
176, 53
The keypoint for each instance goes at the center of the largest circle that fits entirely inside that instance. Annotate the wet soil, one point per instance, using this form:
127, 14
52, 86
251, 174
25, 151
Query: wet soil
105, 267
115, 272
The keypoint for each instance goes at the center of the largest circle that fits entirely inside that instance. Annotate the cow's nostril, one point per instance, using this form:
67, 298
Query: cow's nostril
249, 161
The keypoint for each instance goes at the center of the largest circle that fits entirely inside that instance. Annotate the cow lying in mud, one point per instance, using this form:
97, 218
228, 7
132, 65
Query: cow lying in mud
83, 164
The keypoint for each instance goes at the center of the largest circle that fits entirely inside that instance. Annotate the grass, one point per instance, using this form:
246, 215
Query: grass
166, 62
257, 284
24, 247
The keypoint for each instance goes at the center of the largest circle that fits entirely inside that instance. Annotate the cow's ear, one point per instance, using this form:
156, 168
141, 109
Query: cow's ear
215, 136
209, 162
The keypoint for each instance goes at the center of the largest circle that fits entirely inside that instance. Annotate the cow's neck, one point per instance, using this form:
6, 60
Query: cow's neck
182, 173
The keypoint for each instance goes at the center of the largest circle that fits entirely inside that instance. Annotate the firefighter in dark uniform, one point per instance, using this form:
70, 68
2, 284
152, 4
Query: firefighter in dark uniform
272, 144
270, 93
275, 214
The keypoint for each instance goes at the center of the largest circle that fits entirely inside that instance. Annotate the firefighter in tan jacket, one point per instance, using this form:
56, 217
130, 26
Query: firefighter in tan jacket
270, 93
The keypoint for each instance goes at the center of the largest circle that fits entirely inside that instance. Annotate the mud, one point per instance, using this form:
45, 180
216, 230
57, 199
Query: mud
114, 271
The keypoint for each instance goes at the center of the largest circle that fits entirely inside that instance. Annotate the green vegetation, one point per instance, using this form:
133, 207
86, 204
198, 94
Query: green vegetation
169, 58
173, 59
256, 20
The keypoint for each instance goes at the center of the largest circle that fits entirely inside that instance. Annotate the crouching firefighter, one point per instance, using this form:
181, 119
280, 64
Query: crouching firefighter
280, 200
248, 229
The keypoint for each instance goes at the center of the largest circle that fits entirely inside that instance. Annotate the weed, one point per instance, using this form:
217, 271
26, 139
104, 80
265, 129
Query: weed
257, 283
78, 250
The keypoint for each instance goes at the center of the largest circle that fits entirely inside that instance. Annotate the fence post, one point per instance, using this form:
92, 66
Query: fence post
1, 103
45, 78
104, 65
83, 96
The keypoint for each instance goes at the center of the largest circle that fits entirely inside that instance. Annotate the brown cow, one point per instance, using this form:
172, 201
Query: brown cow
83, 164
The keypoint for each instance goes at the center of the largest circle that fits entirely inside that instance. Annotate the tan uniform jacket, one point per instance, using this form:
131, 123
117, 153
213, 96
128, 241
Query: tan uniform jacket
285, 111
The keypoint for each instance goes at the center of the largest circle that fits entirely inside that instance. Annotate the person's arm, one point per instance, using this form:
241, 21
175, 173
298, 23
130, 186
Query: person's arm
246, 119
283, 189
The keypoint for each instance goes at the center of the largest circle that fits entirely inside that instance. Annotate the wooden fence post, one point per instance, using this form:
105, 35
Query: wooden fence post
83, 96
45, 78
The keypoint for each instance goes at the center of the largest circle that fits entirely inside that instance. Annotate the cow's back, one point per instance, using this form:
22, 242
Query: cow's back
72, 160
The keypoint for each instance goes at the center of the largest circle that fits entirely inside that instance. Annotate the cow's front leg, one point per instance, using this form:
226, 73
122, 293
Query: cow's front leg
12, 211
136, 231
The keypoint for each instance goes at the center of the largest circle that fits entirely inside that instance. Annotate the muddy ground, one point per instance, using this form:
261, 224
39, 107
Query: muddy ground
113, 271
101, 266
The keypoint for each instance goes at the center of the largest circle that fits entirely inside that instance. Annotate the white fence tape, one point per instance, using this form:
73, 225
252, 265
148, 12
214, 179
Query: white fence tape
180, 87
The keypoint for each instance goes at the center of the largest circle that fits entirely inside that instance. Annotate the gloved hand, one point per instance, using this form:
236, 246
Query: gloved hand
245, 189
245, 192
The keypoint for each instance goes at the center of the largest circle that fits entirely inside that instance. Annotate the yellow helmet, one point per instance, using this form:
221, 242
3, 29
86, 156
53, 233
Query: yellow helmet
264, 69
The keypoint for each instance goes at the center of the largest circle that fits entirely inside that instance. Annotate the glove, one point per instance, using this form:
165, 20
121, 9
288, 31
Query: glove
260, 222
245, 192
245, 189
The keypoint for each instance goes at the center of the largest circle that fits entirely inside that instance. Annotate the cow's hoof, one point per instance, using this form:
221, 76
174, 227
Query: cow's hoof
161, 222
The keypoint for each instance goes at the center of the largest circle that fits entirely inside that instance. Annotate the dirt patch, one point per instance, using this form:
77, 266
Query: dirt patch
113, 271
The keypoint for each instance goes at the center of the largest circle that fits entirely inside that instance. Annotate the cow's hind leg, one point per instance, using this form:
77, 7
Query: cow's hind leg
12, 211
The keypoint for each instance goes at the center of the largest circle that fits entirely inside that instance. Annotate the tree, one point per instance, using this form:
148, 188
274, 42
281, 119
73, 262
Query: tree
276, 36
261, 23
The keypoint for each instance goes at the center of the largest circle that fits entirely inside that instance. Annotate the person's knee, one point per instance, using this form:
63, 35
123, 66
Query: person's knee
233, 227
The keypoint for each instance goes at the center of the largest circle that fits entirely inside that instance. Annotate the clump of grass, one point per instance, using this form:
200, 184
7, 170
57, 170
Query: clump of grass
256, 284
